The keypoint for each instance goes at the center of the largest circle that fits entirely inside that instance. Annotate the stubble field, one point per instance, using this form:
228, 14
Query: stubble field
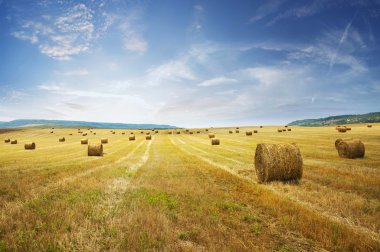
179, 193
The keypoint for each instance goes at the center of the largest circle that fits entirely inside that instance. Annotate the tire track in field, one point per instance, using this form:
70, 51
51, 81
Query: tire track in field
90, 233
208, 153
15, 206
331, 216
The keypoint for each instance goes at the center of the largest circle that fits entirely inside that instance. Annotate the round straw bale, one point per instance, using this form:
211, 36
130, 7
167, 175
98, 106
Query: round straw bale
215, 141
237, 128
206, 129
348, 128
230, 132
84, 141
95, 150
191, 133
279, 130
187, 130
350, 148
156, 131
84, 134
369, 126
170, 132
255, 131
70, 134
104, 140
113, 133
236, 131
51, 132
342, 130
94, 133
286, 126
142, 132
7, 140
148, 133
62, 139
278, 162
132, 138
149, 137
248, 133
211, 136
198, 132
178, 132
14, 141
132, 133
30, 146
289, 129
261, 126
123, 133
283, 130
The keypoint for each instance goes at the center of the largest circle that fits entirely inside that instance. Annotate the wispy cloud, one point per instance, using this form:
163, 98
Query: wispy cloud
266, 9
69, 33
217, 81
78, 72
198, 12
132, 37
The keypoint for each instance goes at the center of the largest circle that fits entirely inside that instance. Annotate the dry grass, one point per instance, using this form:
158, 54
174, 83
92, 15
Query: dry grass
178, 193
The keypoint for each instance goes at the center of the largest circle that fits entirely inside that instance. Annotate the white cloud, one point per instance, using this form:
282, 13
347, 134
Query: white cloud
265, 10
69, 33
175, 70
134, 42
217, 81
196, 26
78, 72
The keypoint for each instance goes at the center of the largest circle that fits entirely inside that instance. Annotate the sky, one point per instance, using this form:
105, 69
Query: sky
189, 63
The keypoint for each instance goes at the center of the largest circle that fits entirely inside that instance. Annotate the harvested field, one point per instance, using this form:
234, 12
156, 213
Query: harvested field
176, 192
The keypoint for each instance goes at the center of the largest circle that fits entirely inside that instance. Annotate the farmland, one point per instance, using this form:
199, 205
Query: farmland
177, 192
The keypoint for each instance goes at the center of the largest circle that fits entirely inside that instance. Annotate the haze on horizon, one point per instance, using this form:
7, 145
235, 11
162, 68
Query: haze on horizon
188, 63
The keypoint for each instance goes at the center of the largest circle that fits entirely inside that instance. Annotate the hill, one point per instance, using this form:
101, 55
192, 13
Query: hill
62, 123
341, 119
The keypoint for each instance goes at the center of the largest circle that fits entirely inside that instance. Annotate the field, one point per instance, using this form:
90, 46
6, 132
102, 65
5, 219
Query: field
179, 193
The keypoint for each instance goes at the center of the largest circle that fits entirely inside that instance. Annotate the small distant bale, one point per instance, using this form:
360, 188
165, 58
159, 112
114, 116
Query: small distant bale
156, 131
149, 137
170, 132
148, 133
84, 134
104, 140
369, 126
211, 136
248, 133
132, 138
206, 129
261, 126
7, 140
350, 148
278, 162
198, 132
230, 132
84, 141
348, 128
187, 130
237, 131
215, 141
95, 150
51, 132
289, 129
123, 133
342, 130
279, 130
178, 132
14, 141
94, 133
286, 126
283, 130
70, 134
52, 128
191, 133
30, 146
132, 133
113, 133
255, 131
62, 139
237, 128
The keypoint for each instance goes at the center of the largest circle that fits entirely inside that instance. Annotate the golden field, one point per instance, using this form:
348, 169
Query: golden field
179, 193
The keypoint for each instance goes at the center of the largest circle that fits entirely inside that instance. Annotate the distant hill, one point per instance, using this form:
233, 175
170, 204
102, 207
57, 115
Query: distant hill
61, 123
342, 119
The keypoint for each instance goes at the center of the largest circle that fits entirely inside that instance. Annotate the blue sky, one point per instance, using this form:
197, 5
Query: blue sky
189, 63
